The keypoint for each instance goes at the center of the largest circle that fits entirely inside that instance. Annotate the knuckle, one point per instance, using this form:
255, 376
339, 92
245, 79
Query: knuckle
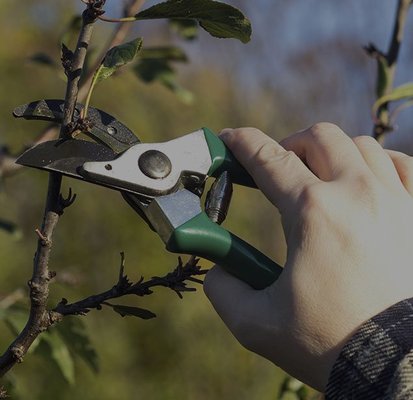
246, 131
321, 129
241, 138
268, 153
405, 168
311, 198
366, 186
364, 140
240, 135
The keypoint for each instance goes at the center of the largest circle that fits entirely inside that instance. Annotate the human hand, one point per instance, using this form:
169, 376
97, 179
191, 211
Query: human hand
347, 214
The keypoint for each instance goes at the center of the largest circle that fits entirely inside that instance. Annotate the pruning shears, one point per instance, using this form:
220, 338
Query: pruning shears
163, 182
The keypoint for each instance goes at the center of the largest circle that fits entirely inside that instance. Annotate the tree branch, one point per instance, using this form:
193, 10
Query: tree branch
387, 64
39, 318
174, 280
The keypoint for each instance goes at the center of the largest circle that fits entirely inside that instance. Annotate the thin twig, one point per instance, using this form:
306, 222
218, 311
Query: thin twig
174, 280
39, 318
74, 73
118, 37
390, 59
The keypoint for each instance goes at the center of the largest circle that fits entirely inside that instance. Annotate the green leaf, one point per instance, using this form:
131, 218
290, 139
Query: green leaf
155, 65
117, 57
43, 59
132, 311
399, 93
218, 19
10, 228
169, 53
289, 396
294, 385
60, 354
187, 28
170, 82
150, 70
293, 389
74, 333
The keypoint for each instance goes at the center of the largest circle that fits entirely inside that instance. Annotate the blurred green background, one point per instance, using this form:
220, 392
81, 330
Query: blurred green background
305, 63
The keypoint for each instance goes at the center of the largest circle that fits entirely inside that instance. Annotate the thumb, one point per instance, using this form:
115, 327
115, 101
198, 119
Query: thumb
233, 300
279, 173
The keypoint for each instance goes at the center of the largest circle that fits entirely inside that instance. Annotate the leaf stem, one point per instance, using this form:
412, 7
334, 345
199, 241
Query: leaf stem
89, 95
116, 20
117, 38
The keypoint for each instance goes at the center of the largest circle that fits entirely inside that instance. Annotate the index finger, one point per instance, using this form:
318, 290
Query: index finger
279, 173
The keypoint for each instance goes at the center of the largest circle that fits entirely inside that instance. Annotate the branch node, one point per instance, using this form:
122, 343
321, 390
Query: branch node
94, 10
3, 393
374, 52
65, 202
45, 241
54, 317
52, 274
67, 59
18, 353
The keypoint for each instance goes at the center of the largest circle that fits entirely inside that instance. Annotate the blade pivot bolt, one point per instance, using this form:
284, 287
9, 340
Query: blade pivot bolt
155, 164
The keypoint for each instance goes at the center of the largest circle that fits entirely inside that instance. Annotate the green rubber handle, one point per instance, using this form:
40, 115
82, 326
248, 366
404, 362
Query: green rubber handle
204, 238
224, 160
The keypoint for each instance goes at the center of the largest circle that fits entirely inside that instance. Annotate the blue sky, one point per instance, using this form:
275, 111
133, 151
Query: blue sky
285, 30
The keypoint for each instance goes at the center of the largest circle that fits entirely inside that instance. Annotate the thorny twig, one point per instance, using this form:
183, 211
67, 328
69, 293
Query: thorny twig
387, 64
175, 280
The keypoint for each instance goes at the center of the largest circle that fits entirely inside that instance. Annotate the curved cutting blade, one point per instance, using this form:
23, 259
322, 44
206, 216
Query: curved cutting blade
68, 156
104, 128
65, 156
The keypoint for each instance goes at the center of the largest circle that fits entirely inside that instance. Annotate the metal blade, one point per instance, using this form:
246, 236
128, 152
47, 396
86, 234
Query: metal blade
58, 156
104, 128
65, 156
